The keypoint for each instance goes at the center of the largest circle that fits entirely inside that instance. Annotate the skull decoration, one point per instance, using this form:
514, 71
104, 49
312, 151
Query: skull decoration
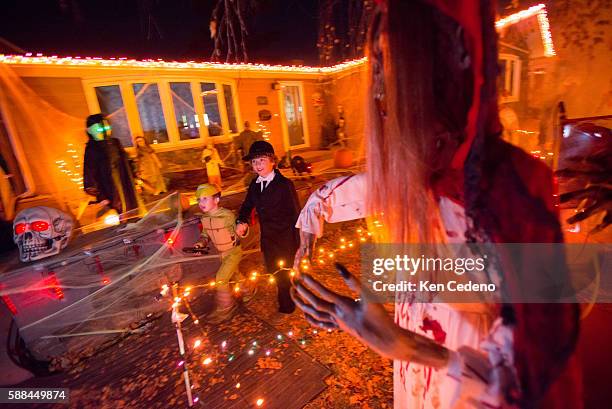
41, 232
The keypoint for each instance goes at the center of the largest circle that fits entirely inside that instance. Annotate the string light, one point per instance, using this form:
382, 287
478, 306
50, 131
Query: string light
179, 298
539, 11
260, 402
39, 59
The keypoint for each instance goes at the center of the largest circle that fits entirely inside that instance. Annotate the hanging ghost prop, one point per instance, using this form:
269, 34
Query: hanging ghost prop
41, 232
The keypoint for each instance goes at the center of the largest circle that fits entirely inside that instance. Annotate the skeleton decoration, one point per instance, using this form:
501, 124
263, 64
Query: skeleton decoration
41, 232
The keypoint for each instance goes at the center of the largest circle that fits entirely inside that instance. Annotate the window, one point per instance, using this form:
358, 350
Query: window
185, 114
212, 117
509, 80
111, 106
167, 112
151, 113
229, 105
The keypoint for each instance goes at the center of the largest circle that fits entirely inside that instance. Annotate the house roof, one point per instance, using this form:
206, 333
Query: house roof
539, 40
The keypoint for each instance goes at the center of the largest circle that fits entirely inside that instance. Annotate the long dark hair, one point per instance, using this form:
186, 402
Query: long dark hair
420, 119
416, 117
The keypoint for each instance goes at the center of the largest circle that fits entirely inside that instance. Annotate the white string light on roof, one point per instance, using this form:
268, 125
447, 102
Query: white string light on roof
539, 11
40, 59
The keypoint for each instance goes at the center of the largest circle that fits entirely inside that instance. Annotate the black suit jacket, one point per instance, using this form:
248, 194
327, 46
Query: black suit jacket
278, 209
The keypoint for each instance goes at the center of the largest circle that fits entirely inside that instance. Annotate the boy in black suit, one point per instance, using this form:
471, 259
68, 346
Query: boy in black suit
274, 198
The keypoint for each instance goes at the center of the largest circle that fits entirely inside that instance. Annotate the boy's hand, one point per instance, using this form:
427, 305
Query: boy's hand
201, 244
241, 229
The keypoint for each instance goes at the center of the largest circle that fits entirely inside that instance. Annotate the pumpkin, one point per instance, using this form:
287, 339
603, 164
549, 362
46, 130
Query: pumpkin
343, 158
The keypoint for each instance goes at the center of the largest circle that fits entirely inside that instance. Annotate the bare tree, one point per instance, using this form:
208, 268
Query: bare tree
342, 29
229, 31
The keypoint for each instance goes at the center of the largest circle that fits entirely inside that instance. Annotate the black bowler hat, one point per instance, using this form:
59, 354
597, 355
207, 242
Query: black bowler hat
259, 148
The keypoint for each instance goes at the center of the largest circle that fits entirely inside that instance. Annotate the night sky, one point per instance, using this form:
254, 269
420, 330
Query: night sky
279, 30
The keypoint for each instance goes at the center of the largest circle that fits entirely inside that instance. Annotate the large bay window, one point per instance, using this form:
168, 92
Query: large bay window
169, 114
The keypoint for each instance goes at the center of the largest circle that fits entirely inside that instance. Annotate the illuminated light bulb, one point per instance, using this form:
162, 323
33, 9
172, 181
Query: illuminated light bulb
207, 361
290, 333
342, 239
304, 260
292, 273
268, 352
196, 322
111, 220
188, 289
329, 330
238, 385
236, 289
181, 363
212, 283
186, 294
362, 239
254, 343
271, 280
331, 255
259, 402
369, 234
196, 399
251, 352
253, 278
359, 231
303, 342
343, 247
321, 250
231, 358
177, 299
321, 261
197, 343
223, 344
281, 263
254, 273
175, 305
279, 337
315, 331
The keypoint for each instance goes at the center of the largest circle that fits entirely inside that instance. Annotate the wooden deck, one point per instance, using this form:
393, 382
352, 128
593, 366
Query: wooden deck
141, 371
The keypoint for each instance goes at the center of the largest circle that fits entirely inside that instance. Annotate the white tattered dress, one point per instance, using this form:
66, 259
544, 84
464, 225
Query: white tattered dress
481, 345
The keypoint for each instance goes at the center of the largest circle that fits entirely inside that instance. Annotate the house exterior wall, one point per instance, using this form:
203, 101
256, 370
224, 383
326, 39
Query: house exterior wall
67, 91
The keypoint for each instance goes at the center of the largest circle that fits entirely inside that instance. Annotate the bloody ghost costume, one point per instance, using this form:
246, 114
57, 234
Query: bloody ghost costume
106, 170
491, 192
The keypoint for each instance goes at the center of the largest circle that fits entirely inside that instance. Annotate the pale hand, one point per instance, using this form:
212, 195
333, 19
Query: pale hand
307, 243
364, 319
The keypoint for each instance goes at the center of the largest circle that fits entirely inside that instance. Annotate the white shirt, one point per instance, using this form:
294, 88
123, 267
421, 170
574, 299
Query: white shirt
478, 351
265, 181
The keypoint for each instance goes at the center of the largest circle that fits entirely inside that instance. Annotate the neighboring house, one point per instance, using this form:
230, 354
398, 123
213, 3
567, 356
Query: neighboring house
177, 107
526, 53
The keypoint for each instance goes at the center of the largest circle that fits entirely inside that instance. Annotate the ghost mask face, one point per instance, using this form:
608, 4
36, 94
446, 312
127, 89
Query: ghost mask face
100, 131
41, 232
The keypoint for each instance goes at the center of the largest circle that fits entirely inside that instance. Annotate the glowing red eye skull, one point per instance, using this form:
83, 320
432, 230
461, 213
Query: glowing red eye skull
20, 228
39, 225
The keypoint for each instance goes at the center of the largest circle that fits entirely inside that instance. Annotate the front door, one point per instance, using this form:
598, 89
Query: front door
294, 124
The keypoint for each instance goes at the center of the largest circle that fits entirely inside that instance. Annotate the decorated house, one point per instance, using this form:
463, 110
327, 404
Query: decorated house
178, 107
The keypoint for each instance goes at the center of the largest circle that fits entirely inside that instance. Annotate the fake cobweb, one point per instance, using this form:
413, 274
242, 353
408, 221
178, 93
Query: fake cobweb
105, 281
